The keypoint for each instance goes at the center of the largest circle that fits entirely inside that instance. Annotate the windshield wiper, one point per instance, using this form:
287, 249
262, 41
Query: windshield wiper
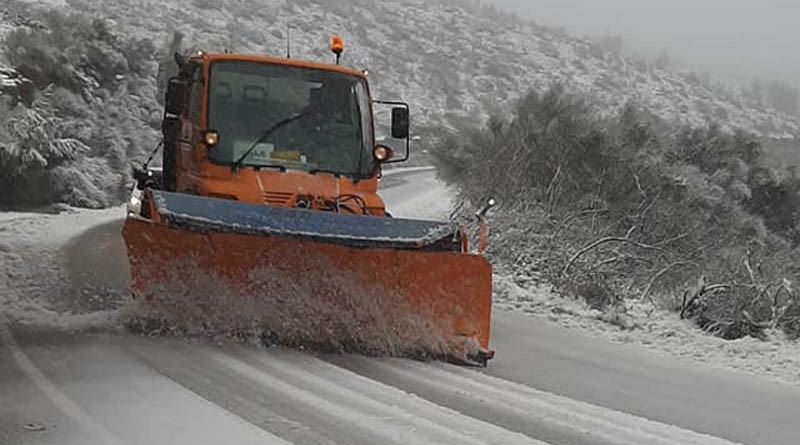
263, 136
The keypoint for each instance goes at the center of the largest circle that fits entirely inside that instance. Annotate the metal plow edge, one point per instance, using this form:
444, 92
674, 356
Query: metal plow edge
381, 285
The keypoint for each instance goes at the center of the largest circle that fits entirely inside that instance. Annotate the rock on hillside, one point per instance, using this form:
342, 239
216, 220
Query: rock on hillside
453, 61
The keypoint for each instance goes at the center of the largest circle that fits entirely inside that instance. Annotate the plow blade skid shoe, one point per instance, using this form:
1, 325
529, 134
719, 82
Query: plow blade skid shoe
383, 285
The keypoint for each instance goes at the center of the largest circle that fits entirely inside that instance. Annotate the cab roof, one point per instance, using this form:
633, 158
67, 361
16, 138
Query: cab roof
299, 63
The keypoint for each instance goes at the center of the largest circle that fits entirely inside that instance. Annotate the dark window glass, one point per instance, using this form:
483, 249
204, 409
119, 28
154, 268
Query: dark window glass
315, 119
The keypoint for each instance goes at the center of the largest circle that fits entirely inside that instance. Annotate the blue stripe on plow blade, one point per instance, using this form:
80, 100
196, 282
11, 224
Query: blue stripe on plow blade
201, 214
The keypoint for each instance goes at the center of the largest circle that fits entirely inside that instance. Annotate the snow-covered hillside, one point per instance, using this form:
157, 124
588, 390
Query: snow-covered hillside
454, 63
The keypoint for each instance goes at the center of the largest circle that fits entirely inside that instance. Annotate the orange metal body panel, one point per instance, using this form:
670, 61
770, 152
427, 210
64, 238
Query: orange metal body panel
198, 175
282, 188
449, 292
214, 57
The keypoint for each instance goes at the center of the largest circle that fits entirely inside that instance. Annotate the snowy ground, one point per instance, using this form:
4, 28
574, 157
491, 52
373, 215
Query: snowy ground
29, 245
660, 331
259, 395
432, 202
27, 257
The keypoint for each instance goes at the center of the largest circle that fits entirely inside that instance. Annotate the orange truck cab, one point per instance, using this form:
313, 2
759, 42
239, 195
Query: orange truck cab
278, 131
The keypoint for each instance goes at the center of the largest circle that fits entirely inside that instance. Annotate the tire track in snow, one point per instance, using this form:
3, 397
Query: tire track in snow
116, 399
390, 414
181, 362
67, 406
149, 381
522, 408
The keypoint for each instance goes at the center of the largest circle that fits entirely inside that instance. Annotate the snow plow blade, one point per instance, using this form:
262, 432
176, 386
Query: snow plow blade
352, 282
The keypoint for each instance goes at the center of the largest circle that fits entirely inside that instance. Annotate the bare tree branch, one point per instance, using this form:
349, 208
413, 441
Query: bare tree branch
716, 287
646, 293
746, 263
650, 206
610, 239
699, 292
564, 223
672, 240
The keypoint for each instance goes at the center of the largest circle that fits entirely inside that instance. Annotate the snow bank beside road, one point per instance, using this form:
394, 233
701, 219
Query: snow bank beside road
52, 230
660, 331
421, 197
30, 267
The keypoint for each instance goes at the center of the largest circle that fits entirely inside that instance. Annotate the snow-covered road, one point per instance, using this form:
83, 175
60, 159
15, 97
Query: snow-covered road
70, 374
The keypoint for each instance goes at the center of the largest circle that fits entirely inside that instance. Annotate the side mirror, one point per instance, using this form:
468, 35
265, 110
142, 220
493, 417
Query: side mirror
400, 130
400, 123
173, 100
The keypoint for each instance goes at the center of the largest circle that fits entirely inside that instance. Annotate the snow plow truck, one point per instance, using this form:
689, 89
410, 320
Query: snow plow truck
265, 218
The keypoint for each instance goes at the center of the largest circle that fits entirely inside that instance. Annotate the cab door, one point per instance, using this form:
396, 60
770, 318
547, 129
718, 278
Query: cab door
190, 138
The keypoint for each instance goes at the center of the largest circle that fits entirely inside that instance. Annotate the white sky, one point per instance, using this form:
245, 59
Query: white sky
740, 39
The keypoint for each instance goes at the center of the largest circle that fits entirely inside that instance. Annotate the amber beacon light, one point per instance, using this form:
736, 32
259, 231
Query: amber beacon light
337, 46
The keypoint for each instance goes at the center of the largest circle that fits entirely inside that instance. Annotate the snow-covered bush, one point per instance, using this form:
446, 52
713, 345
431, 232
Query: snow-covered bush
627, 206
91, 112
32, 144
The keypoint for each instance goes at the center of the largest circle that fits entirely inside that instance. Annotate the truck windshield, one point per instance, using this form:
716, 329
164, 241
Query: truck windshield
332, 130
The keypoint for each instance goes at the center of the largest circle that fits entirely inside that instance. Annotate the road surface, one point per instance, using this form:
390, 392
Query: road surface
100, 384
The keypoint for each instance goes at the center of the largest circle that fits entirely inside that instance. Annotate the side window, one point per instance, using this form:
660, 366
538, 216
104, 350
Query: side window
196, 95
